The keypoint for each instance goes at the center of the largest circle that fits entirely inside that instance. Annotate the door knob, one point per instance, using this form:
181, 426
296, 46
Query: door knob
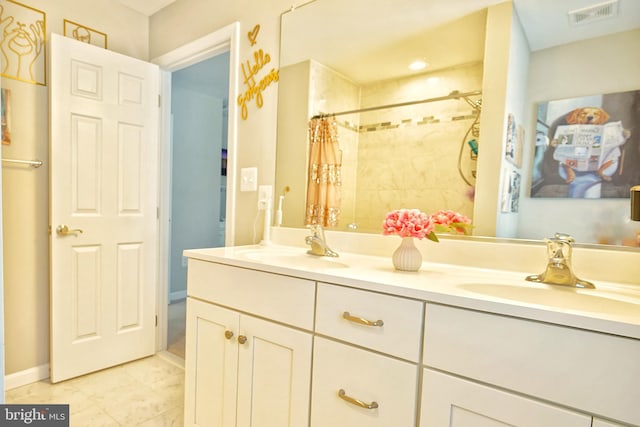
63, 230
242, 339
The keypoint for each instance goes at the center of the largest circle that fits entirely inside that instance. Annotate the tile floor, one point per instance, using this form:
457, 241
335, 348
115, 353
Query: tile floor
148, 392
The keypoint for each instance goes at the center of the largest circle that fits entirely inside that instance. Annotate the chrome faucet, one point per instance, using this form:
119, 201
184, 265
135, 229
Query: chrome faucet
318, 242
558, 271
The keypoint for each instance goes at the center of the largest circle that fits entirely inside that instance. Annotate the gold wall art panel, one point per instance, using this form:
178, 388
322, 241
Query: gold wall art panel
23, 44
85, 34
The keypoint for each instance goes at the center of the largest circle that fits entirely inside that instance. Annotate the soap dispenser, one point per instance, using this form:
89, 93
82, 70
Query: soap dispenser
558, 271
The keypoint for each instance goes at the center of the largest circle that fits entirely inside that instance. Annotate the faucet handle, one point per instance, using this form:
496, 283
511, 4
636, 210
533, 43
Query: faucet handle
316, 229
559, 246
563, 237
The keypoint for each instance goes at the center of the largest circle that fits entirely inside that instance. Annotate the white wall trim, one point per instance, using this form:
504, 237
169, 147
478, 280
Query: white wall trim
222, 40
28, 376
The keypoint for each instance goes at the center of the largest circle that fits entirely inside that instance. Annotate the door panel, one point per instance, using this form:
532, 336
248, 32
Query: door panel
104, 163
86, 286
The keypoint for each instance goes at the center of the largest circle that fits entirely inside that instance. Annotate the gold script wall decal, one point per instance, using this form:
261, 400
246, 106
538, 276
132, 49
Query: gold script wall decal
255, 84
253, 34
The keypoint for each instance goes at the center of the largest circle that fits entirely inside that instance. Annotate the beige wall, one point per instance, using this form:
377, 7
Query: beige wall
293, 103
25, 190
494, 95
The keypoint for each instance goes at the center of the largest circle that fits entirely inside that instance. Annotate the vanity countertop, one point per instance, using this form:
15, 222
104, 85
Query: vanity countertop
611, 308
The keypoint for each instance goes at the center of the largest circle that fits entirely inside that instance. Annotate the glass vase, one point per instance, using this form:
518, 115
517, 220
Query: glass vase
407, 257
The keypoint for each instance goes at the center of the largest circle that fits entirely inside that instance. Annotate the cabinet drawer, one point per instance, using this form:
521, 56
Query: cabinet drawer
281, 298
401, 319
366, 376
589, 371
453, 401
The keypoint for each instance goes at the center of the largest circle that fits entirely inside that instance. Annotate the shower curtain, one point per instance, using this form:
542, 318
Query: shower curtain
324, 179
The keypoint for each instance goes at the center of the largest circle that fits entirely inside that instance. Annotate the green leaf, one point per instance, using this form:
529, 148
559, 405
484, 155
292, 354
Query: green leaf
432, 236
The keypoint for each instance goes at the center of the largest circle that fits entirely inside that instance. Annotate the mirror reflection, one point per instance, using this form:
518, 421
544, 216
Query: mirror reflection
414, 141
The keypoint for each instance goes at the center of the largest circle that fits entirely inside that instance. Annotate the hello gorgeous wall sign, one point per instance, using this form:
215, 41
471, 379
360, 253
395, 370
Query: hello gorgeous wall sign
251, 69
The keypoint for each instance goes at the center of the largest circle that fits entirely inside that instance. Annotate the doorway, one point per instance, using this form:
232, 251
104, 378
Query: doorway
201, 76
199, 111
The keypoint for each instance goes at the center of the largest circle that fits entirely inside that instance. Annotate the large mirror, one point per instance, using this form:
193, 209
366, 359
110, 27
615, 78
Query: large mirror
461, 133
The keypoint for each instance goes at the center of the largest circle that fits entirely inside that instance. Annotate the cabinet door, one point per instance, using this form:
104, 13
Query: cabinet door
274, 375
455, 402
211, 365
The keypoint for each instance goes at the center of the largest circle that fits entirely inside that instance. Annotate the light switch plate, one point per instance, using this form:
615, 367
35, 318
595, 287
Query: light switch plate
248, 179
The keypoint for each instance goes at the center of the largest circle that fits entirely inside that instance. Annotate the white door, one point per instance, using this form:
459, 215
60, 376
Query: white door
104, 178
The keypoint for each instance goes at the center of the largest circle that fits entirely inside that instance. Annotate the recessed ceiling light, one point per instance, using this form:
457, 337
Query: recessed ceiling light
418, 65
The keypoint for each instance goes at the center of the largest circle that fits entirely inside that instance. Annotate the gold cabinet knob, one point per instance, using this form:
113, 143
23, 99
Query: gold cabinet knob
228, 334
242, 339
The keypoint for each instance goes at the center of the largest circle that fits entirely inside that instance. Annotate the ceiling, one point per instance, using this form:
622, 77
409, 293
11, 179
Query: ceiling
546, 22
146, 7
442, 32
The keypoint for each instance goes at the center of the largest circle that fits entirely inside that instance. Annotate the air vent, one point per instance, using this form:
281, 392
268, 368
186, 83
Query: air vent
593, 13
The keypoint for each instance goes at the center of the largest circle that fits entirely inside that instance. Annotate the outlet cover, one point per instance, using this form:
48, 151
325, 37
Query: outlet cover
248, 179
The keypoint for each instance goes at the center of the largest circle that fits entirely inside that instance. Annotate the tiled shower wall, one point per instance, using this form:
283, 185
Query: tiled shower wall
404, 157
408, 156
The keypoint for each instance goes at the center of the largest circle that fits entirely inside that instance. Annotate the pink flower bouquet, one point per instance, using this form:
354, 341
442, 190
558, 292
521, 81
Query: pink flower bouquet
409, 223
447, 221
414, 223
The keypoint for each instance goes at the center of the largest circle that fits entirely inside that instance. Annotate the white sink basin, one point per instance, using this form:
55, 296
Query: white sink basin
591, 300
291, 257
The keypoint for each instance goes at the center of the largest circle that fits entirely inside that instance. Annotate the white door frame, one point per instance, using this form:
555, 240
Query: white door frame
222, 40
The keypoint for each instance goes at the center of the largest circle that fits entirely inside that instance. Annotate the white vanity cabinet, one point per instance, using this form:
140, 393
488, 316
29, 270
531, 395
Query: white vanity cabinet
242, 370
479, 365
275, 346
366, 356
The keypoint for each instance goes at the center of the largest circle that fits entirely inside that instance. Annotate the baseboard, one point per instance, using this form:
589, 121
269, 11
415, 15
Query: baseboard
171, 358
177, 296
28, 376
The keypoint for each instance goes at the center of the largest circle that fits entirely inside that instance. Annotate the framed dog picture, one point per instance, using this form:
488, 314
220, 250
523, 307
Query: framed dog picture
587, 147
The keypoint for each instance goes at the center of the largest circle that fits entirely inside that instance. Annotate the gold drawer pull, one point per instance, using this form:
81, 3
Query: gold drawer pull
228, 334
361, 321
343, 395
242, 339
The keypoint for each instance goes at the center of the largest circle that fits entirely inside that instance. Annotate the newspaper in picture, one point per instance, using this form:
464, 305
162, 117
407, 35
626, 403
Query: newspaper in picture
585, 148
